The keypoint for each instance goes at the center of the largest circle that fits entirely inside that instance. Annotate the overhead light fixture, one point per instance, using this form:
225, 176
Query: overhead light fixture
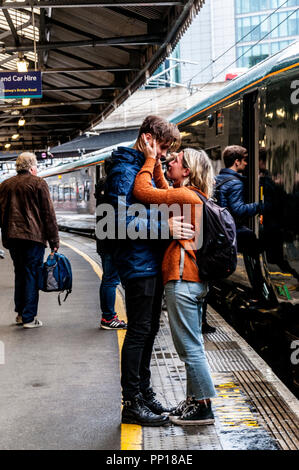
22, 65
25, 101
15, 112
7, 146
21, 122
15, 136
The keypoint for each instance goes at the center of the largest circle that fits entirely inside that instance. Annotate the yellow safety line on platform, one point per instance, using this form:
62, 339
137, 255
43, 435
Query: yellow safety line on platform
131, 435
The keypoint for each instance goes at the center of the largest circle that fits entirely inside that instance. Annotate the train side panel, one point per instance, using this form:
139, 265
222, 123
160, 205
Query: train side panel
74, 191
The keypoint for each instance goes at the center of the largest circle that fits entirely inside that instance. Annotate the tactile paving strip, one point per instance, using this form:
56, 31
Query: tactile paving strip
250, 414
247, 408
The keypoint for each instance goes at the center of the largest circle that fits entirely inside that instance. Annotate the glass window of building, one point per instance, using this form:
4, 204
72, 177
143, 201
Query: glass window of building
283, 24
293, 23
246, 28
239, 29
255, 28
274, 25
265, 25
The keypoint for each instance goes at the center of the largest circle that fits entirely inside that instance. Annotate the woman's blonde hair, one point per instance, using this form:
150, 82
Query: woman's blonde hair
25, 161
201, 171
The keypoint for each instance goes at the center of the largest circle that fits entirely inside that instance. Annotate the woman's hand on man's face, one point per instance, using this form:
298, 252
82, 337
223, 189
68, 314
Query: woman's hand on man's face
148, 148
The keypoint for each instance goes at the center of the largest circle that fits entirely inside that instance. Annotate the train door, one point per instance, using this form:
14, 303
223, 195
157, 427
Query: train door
255, 264
250, 142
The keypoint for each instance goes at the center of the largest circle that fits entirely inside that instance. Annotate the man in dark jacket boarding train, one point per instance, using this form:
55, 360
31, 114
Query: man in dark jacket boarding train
230, 184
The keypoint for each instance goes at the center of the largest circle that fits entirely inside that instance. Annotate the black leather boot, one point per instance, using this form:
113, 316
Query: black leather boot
206, 328
153, 404
136, 412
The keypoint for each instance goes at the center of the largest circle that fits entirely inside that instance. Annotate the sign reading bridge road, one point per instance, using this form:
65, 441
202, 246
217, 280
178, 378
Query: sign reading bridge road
20, 85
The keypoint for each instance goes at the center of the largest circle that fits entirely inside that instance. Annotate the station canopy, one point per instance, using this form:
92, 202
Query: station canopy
92, 56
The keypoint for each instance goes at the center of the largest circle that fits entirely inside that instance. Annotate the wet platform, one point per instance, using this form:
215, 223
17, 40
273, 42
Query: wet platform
57, 378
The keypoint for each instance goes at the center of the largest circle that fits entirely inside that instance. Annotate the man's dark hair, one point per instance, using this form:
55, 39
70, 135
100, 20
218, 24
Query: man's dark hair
161, 130
232, 153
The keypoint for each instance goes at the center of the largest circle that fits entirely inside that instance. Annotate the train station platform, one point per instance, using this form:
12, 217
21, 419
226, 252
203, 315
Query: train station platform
60, 386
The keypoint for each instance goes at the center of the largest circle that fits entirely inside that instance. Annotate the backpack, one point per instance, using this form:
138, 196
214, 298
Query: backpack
106, 245
216, 195
56, 275
217, 258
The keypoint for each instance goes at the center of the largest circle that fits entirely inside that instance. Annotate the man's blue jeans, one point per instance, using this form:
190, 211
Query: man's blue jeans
110, 281
184, 304
27, 257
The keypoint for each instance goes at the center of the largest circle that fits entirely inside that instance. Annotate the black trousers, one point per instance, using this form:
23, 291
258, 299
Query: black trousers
143, 303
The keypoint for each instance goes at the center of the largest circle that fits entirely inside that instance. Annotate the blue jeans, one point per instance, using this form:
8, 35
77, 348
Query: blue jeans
184, 303
27, 256
110, 281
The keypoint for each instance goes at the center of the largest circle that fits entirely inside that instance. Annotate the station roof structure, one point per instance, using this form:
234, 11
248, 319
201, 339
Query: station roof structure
92, 54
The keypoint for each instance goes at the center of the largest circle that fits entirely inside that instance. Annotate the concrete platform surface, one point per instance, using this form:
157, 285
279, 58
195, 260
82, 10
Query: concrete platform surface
60, 383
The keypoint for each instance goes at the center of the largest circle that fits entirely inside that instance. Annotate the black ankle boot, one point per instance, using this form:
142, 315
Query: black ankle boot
153, 404
206, 328
136, 412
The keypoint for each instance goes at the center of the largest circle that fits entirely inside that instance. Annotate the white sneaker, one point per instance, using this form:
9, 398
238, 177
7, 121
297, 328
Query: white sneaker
34, 324
19, 320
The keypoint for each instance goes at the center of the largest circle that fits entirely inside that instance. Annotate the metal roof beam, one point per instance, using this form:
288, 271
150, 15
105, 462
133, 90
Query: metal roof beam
83, 88
41, 123
52, 105
18, 28
87, 4
72, 29
50, 115
42, 36
83, 69
4, 135
129, 14
140, 40
12, 27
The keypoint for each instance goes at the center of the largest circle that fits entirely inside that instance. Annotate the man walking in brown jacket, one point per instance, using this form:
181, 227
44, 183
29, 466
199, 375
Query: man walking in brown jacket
27, 222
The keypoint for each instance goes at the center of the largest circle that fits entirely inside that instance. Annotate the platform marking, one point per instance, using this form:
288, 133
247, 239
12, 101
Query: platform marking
131, 435
233, 407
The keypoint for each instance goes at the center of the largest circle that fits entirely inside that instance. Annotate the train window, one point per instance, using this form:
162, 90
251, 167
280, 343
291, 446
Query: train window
214, 153
54, 192
66, 193
211, 120
73, 188
80, 192
219, 122
87, 185
60, 192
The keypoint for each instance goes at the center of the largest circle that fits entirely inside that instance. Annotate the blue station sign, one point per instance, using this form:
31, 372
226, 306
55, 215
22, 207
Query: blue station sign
20, 85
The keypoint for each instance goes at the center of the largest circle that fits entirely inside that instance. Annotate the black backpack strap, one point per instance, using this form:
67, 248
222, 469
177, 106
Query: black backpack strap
66, 295
203, 199
230, 178
201, 196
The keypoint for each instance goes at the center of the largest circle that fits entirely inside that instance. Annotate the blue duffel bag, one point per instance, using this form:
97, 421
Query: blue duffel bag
56, 275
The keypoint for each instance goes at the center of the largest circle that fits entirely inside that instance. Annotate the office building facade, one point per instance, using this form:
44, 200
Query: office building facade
234, 34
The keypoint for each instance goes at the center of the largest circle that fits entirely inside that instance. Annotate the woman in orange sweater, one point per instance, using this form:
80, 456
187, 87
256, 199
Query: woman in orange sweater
183, 289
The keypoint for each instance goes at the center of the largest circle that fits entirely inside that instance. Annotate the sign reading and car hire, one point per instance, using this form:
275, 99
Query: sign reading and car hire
20, 85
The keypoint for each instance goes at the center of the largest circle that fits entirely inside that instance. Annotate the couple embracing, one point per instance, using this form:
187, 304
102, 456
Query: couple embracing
146, 267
